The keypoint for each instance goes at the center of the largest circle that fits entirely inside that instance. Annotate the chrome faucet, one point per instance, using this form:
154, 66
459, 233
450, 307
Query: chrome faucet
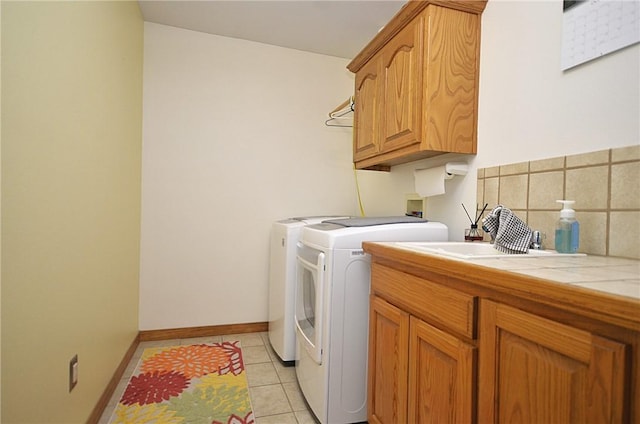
536, 240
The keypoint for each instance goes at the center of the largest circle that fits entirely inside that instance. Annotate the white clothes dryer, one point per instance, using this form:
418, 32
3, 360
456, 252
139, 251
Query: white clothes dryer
332, 309
282, 280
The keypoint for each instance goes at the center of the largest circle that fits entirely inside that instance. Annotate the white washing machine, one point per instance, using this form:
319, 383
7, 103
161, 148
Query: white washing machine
332, 309
282, 281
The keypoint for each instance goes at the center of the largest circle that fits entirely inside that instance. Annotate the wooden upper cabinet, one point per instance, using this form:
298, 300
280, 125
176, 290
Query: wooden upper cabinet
401, 88
450, 86
425, 64
540, 371
367, 111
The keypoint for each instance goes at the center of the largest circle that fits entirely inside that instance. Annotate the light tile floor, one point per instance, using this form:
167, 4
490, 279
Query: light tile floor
274, 391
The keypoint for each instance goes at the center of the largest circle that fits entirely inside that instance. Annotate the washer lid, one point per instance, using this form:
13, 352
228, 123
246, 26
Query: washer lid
376, 220
328, 235
318, 218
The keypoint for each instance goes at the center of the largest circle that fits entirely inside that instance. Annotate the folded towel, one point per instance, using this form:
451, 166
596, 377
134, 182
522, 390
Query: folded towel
510, 233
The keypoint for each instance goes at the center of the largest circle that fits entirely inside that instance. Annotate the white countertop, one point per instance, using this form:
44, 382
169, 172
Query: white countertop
607, 274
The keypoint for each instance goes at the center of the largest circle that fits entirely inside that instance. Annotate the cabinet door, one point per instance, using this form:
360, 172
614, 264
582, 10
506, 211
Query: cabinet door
536, 370
402, 59
441, 376
450, 80
366, 131
388, 356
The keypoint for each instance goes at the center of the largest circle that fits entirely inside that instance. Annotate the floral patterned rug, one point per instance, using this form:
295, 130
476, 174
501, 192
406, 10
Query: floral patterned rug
192, 384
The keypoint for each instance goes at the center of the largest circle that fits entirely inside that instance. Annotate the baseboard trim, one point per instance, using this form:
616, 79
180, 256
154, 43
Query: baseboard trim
98, 410
211, 330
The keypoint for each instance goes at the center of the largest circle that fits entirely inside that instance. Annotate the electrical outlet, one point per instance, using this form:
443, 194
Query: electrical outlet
73, 372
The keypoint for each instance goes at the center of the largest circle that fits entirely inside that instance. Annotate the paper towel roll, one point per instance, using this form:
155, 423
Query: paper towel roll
430, 182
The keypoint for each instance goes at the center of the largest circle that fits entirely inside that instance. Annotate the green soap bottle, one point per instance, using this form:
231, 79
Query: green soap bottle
567, 229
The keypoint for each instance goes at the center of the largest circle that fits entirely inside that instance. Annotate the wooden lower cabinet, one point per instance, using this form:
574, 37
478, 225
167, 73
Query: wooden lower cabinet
454, 342
417, 373
442, 352
388, 363
534, 370
441, 371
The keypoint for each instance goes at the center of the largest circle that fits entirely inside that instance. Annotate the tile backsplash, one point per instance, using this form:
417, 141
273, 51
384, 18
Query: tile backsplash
605, 185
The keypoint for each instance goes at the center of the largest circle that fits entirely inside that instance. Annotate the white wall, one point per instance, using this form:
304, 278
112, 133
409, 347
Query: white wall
529, 108
234, 139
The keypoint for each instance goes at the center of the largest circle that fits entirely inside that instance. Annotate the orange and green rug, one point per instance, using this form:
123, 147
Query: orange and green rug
192, 384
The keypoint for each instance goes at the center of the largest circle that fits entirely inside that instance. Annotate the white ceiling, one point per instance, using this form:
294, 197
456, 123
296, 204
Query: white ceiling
333, 27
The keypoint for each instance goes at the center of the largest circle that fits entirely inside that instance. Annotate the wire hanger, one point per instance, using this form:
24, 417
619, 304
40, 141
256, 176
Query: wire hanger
340, 112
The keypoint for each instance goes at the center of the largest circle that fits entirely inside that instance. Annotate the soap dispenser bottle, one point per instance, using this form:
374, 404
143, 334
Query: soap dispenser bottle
567, 229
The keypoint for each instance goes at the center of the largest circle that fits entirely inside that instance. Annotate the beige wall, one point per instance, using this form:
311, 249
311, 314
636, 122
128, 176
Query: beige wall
0, 214
71, 153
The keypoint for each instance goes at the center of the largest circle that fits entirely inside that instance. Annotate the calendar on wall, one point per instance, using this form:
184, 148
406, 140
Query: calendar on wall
594, 28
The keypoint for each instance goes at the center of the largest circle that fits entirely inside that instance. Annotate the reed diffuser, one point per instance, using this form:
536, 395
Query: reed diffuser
473, 233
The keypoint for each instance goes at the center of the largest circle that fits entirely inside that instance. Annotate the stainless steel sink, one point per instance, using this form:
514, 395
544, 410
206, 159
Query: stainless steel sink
464, 250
